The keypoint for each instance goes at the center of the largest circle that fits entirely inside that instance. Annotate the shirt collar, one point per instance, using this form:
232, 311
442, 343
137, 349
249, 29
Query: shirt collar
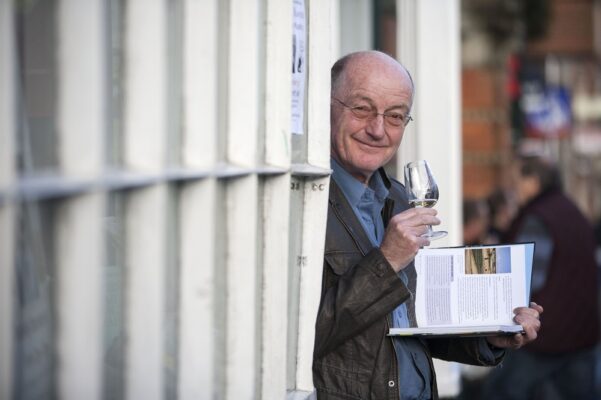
353, 189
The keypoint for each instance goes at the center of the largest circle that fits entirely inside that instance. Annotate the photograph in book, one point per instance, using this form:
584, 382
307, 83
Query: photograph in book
470, 290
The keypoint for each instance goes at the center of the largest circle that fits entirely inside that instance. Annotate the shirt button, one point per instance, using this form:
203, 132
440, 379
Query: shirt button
391, 383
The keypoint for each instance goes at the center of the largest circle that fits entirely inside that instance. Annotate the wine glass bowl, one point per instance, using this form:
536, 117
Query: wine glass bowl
422, 190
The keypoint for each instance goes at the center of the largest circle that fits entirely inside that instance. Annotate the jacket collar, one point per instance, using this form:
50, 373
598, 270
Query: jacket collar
345, 214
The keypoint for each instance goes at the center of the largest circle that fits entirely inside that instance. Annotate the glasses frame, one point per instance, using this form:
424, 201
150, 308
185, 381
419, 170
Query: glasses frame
374, 113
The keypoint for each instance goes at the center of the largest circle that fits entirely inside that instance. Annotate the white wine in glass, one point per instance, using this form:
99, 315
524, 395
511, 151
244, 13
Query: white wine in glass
422, 190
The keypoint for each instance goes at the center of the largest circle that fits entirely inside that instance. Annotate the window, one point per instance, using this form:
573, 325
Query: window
165, 230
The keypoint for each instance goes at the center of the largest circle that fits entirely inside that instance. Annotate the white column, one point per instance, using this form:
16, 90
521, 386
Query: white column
242, 86
309, 260
278, 79
197, 336
429, 40
145, 125
310, 264
145, 86
199, 86
241, 291
318, 82
7, 177
197, 342
275, 224
80, 246
241, 200
275, 199
438, 106
79, 254
145, 292
407, 55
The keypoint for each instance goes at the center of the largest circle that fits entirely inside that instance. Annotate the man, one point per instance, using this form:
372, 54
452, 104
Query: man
371, 240
561, 363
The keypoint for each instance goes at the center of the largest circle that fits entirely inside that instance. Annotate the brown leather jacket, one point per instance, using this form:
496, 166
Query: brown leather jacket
353, 358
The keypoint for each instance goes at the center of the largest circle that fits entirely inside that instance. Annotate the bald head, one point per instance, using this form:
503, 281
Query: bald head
347, 67
370, 106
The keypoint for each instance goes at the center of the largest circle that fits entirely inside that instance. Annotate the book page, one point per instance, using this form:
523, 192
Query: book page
471, 286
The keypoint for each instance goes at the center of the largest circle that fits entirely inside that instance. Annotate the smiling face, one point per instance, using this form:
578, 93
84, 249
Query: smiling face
376, 81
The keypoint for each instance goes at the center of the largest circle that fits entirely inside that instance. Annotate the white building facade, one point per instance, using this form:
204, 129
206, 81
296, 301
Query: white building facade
161, 227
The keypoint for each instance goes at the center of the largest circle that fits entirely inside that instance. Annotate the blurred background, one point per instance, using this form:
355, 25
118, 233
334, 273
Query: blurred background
164, 173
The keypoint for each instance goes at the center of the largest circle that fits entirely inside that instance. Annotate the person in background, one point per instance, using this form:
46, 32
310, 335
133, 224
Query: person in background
560, 364
502, 210
372, 237
475, 222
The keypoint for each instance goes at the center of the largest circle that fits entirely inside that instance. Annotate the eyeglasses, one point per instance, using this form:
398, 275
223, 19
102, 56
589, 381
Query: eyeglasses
393, 118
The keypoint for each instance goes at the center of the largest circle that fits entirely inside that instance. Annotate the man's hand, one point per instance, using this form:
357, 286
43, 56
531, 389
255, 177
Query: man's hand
402, 238
528, 317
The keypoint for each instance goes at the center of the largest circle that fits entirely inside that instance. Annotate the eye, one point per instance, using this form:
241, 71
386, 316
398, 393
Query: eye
395, 118
362, 111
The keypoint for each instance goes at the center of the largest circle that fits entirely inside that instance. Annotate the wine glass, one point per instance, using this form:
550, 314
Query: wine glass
422, 190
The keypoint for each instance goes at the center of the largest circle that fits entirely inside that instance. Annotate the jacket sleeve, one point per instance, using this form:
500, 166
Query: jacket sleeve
354, 297
469, 350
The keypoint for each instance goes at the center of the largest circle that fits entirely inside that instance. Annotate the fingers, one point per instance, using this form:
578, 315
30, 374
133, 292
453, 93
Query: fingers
516, 341
417, 217
529, 318
536, 307
403, 236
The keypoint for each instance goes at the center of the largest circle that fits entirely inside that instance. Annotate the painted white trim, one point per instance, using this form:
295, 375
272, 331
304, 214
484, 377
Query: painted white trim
242, 85
438, 107
145, 129
199, 86
145, 263
429, 40
407, 55
79, 270
145, 84
196, 367
82, 86
81, 126
311, 271
278, 81
318, 83
241, 291
274, 294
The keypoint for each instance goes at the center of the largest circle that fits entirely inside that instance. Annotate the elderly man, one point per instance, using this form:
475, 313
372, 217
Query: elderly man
372, 238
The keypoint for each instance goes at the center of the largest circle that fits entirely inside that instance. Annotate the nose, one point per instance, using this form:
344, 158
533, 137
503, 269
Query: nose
375, 127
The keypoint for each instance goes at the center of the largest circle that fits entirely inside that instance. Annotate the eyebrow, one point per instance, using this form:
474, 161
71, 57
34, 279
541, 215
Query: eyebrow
404, 107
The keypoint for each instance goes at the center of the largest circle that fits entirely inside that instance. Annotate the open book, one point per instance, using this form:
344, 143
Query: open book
470, 290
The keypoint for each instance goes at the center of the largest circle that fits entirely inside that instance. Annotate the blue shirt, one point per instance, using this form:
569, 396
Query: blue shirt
367, 202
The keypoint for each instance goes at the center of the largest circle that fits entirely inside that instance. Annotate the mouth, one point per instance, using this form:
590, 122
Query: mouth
370, 145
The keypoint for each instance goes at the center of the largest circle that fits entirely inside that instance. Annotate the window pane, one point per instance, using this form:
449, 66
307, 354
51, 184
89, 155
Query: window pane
114, 333
34, 318
170, 361
174, 81
116, 31
36, 46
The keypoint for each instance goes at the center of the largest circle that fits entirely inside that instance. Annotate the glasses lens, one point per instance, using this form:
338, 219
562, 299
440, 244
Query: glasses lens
362, 112
395, 119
